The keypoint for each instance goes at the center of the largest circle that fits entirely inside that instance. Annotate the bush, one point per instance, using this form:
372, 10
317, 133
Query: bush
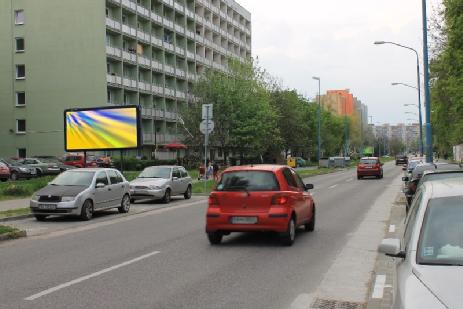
133, 164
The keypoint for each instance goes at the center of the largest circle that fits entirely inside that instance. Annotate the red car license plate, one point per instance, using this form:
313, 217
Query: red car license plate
244, 220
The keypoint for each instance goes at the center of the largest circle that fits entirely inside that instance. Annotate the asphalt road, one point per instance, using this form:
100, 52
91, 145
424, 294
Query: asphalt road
162, 259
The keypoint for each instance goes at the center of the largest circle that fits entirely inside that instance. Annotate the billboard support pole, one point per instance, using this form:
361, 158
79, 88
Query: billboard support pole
122, 162
85, 159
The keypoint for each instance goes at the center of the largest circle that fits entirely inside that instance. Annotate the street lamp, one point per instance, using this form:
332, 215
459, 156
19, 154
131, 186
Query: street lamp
416, 105
318, 116
411, 113
418, 82
404, 84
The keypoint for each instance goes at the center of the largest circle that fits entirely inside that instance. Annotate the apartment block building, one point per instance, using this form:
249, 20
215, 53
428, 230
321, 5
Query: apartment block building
59, 54
408, 134
343, 103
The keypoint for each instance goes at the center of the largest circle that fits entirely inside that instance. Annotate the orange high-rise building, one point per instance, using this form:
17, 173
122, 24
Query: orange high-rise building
339, 102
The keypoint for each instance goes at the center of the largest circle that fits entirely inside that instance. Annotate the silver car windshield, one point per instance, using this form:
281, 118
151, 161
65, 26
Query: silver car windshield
156, 172
74, 178
441, 241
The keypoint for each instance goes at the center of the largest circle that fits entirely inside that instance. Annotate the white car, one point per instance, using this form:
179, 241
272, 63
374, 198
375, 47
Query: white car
429, 257
161, 183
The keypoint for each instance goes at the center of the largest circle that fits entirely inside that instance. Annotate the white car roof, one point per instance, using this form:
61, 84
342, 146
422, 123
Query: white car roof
444, 187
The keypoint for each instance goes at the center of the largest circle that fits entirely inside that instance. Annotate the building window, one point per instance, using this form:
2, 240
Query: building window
22, 153
19, 45
20, 71
108, 95
20, 98
19, 17
20, 126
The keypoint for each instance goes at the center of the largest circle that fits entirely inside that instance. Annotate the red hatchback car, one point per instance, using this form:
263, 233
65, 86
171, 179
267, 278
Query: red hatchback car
4, 172
369, 166
260, 198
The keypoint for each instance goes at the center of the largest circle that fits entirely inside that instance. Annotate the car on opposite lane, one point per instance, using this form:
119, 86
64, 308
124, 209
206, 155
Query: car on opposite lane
369, 166
81, 192
429, 256
260, 198
161, 183
401, 159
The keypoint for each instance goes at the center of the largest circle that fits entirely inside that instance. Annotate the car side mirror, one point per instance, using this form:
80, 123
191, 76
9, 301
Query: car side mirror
404, 168
100, 185
308, 186
391, 247
405, 178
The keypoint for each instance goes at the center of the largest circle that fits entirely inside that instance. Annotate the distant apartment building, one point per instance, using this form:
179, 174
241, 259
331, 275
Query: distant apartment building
406, 133
59, 54
343, 103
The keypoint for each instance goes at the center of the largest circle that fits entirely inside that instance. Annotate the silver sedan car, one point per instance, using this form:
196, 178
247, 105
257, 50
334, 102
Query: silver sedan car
81, 192
429, 257
161, 183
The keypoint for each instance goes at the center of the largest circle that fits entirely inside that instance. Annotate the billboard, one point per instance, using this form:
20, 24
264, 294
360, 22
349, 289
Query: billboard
102, 128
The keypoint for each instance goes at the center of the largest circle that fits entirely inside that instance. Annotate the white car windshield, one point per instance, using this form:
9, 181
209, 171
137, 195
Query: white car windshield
156, 172
441, 241
74, 178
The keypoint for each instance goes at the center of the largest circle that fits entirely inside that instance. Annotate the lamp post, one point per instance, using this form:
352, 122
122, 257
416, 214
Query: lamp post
426, 86
318, 116
418, 82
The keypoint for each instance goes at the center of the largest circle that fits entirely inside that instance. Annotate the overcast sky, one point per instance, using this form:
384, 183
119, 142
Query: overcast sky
333, 39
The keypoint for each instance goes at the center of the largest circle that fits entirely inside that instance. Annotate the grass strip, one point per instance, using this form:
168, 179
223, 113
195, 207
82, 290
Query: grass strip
14, 212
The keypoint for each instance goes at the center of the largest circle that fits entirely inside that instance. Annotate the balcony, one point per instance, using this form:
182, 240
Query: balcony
169, 92
148, 138
169, 46
180, 95
115, 1
168, 23
152, 112
129, 30
156, 41
112, 24
169, 69
169, 2
189, 13
180, 50
129, 83
144, 86
179, 29
169, 138
113, 51
179, 7
113, 79
129, 4
144, 61
155, 17
191, 76
190, 34
157, 65
170, 116
157, 89
180, 73
190, 55
143, 36
129, 56
142, 11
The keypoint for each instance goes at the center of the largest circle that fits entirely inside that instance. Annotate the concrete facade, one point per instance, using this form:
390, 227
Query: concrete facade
91, 53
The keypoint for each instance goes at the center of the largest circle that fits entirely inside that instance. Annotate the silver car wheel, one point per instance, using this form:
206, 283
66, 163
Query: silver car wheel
292, 230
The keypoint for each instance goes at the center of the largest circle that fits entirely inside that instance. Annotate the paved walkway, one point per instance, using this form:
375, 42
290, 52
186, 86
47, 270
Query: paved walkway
14, 204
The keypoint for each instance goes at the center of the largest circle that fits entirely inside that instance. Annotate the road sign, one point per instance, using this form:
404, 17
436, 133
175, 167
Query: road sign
207, 111
209, 125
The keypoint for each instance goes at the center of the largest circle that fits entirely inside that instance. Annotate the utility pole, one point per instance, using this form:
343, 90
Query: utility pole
429, 153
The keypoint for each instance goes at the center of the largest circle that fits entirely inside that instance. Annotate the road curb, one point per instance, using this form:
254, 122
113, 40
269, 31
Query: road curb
14, 218
13, 235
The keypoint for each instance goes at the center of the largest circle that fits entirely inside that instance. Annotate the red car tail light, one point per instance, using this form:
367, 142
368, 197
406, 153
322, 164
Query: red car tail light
213, 201
280, 200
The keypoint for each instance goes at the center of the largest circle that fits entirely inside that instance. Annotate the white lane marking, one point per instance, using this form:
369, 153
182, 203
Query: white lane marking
98, 273
302, 301
380, 284
391, 228
349, 180
332, 187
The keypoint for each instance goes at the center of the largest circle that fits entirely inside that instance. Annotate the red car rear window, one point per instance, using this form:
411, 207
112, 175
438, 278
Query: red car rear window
368, 161
248, 181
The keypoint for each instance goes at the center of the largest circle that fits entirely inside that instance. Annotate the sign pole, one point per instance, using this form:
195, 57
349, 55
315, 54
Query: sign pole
205, 148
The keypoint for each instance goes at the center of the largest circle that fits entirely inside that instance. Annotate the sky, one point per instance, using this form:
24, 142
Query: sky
295, 40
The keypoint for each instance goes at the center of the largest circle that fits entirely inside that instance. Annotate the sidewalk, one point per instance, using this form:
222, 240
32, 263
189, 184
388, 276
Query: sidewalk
14, 204
381, 290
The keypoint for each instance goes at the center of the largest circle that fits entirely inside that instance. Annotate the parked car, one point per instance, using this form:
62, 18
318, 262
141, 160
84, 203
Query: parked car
18, 170
4, 172
41, 166
429, 257
104, 161
77, 160
51, 160
369, 166
401, 159
260, 198
412, 180
81, 192
161, 183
